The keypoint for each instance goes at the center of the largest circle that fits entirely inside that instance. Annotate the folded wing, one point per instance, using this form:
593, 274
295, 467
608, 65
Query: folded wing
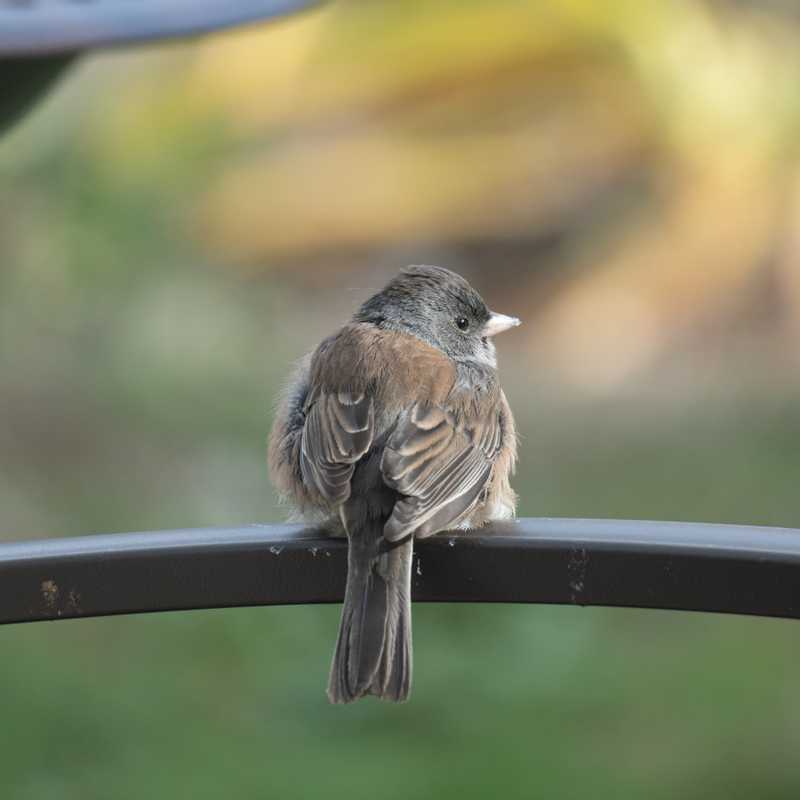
338, 431
440, 467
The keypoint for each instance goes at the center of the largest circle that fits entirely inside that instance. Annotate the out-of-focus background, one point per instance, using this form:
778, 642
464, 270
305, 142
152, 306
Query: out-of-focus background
179, 223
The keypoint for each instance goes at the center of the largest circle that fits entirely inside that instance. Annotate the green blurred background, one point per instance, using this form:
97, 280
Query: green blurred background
179, 223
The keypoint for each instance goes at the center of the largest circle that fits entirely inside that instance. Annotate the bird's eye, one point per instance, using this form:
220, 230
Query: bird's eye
462, 323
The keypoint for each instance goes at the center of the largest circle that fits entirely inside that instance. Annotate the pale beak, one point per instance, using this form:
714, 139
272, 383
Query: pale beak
498, 323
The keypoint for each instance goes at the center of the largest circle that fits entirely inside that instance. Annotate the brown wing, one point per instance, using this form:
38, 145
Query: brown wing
338, 430
440, 467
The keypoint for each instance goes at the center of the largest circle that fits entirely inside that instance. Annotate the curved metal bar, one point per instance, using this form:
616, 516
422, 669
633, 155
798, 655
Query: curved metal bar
37, 28
688, 566
24, 82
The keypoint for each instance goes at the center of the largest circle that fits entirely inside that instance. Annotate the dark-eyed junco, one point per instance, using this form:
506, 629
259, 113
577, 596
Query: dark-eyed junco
396, 427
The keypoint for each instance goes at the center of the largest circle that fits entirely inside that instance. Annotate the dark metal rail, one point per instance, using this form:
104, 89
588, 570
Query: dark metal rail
697, 567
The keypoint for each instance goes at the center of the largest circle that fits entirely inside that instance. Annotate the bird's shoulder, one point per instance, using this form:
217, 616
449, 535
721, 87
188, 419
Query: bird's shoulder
395, 367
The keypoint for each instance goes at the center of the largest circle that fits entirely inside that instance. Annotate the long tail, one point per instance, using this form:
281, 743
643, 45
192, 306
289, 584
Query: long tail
373, 651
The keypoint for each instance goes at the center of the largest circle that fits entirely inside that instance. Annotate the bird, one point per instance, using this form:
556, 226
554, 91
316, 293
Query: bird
394, 428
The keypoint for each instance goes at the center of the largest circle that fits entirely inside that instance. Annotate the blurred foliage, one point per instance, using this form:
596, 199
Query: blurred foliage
178, 225
607, 149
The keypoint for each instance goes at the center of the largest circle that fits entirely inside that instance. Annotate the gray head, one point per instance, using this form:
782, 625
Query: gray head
440, 308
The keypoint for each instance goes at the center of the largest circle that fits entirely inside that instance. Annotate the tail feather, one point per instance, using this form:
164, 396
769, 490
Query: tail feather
373, 650
393, 680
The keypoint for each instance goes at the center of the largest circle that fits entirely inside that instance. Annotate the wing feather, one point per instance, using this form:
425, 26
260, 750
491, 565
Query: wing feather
338, 431
440, 466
